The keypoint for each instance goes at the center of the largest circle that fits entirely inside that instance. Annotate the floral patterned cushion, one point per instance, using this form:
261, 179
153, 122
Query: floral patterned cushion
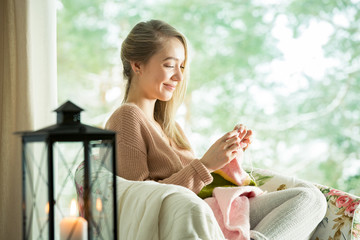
356, 224
342, 219
340, 214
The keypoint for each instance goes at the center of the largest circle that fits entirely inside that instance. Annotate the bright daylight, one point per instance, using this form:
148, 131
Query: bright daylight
180, 119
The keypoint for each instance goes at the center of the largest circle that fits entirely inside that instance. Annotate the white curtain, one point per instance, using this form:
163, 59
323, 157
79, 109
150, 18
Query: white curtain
27, 93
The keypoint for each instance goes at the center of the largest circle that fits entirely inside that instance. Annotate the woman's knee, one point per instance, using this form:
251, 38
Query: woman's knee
321, 202
314, 200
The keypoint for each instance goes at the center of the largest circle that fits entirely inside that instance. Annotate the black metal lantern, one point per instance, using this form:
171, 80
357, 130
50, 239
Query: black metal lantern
64, 162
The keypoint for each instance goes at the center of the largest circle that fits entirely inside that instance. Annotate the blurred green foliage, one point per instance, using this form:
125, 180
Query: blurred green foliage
306, 124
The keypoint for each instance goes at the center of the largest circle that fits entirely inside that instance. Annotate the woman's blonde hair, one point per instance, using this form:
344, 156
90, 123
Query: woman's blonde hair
143, 41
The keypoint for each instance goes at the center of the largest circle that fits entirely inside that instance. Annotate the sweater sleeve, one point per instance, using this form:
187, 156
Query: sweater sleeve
194, 176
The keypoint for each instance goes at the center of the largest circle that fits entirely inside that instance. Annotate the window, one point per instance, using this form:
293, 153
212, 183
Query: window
290, 70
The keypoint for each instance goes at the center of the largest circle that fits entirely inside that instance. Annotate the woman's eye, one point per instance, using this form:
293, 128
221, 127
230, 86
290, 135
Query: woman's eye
173, 66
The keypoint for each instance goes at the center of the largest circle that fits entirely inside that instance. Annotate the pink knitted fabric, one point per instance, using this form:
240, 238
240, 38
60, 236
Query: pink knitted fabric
232, 209
144, 154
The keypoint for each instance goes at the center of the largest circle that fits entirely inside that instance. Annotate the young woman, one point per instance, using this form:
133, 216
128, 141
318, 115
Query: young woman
151, 146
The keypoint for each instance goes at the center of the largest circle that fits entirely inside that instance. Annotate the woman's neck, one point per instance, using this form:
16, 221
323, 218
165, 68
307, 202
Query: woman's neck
138, 98
147, 106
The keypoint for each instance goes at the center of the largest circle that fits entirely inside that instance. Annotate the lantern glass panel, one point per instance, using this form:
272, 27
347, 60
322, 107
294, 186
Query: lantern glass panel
67, 156
36, 205
102, 193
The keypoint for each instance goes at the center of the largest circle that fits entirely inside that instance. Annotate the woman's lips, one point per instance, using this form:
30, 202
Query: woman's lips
170, 87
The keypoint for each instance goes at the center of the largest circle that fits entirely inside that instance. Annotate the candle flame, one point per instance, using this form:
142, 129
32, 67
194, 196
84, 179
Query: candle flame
47, 208
73, 208
98, 204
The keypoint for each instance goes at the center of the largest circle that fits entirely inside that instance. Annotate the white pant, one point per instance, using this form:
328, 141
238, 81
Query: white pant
287, 214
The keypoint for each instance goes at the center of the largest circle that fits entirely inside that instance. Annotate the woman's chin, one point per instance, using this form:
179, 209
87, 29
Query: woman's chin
165, 98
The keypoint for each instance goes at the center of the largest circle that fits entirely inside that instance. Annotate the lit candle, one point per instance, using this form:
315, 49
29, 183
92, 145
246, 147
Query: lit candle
47, 208
98, 205
73, 228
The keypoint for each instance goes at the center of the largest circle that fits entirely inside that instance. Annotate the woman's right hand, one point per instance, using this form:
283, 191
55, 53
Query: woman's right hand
222, 151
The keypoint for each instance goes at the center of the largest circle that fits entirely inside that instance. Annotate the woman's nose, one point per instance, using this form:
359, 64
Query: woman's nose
178, 75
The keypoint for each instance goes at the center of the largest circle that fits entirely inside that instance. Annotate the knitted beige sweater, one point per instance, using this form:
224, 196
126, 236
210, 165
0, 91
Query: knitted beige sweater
144, 154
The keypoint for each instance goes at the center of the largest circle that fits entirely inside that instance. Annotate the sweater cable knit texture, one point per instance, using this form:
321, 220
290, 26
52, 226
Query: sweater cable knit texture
143, 154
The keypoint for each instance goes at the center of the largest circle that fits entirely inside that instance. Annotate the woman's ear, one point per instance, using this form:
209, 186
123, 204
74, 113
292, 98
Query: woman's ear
135, 66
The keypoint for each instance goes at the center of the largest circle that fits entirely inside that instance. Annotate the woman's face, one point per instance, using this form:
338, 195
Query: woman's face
160, 76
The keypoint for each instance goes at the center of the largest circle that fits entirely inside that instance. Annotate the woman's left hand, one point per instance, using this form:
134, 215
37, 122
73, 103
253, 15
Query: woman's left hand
245, 135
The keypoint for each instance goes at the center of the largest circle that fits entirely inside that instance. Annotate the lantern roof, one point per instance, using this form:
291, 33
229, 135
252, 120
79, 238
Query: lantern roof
69, 107
68, 126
